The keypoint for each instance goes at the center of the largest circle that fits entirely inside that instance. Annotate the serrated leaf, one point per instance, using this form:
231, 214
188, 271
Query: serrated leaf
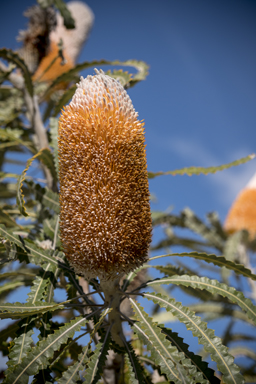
35, 254
216, 311
8, 134
196, 225
201, 366
43, 155
70, 75
45, 196
51, 229
39, 355
64, 99
220, 261
54, 141
22, 344
65, 13
40, 284
163, 353
206, 336
202, 170
134, 365
70, 376
118, 74
170, 269
130, 374
51, 200
96, 363
214, 287
21, 310
13, 57
8, 287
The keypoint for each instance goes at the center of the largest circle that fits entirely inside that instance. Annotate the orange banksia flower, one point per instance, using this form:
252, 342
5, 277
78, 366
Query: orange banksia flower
105, 216
242, 214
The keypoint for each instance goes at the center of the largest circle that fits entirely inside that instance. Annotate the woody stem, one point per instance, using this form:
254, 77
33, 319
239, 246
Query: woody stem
113, 296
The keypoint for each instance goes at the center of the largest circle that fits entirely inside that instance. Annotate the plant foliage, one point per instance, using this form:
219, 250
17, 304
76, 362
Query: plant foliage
61, 333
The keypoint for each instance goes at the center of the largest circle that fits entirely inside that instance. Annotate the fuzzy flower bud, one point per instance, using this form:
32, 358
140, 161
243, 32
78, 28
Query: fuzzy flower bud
242, 214
105, 216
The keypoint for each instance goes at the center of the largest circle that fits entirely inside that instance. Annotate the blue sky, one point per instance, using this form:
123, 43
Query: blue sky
198, 101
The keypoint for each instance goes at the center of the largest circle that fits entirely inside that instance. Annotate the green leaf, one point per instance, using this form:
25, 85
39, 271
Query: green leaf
65, 13
35, 254
214, 287
138, 375
97, 361
13, 57
163, 353
70, 376
40, 285
71, 75
51, 200
9, 331
206, 336
8, 134
22, 344
217, 310
202, 170
64, 99
196, 225
8, 287
39, 355
170, 269
50, 226
46, 157
20, 310
216, 260
201, 366
54, 141
130, 372
118, 74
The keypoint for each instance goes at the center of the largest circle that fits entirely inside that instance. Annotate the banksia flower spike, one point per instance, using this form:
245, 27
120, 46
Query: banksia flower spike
242, 214
105, 216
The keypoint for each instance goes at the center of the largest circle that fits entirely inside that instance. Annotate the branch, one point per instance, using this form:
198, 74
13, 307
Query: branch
34, 117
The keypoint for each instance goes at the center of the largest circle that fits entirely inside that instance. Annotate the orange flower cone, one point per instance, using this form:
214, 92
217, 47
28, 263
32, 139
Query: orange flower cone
105, 215
242, 214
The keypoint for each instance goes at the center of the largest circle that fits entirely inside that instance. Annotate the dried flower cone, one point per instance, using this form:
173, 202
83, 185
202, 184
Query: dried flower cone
242, 214
73, 41
104, 197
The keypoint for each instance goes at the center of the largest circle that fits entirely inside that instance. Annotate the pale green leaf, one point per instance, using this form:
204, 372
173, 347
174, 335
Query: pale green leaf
13, 57
206, 336
214, 287
202, 170
137, 371
20, 310
216, 260
40, 355
96, 364
200, 365
130, 372
70, 376
217, 310
35, 254
71, 75
46, 157
163, 352
65, 13
54, 140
